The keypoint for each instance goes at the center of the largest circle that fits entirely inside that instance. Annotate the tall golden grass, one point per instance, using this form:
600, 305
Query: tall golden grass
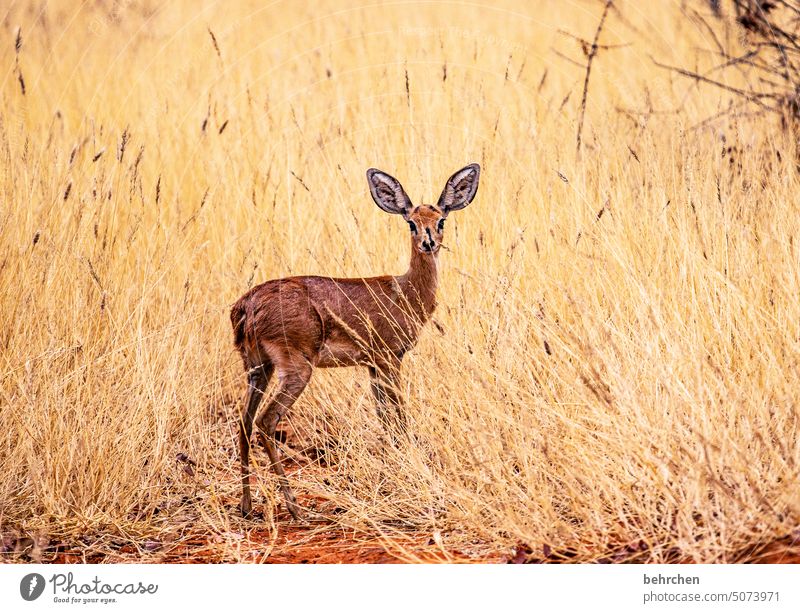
615, 370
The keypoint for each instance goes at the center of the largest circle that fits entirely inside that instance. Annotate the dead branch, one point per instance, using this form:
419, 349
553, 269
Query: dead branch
753, 96
769, 63
589, 58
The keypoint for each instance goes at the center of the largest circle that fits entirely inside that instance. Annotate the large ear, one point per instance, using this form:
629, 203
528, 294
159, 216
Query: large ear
387, 192
460, 189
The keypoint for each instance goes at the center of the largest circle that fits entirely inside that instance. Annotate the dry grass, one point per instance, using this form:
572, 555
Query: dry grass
618, 367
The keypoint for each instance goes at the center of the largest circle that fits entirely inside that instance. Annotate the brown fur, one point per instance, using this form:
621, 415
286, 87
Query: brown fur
294, 324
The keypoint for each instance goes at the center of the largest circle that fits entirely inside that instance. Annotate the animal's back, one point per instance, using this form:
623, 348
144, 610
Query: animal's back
335, 322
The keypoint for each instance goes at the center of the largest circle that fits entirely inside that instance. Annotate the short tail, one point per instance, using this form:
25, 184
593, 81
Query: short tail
238, 317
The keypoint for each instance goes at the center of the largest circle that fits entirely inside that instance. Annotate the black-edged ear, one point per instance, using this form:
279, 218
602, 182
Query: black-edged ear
387, 192
460, 189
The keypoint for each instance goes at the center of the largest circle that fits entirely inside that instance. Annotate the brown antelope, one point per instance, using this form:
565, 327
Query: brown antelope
295, 324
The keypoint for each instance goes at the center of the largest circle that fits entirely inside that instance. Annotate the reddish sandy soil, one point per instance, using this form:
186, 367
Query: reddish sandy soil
316, 541
322, 542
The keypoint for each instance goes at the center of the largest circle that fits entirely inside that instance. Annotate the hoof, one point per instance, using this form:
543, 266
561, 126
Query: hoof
246, 507
295, 511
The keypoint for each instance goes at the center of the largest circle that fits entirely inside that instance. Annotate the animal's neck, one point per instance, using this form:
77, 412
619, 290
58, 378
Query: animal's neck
419, 283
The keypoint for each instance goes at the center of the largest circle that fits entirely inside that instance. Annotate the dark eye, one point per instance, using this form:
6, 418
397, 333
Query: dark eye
413, 226
440, 227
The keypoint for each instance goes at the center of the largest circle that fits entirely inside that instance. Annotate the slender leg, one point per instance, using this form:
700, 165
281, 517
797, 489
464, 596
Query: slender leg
257, 381
291, 385
385, 384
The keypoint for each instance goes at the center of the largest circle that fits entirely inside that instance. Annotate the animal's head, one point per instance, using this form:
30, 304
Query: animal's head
425, 221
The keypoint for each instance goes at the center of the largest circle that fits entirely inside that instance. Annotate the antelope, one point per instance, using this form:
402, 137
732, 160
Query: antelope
295, 324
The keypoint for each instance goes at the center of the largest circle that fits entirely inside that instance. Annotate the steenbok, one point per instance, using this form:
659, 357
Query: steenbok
294, 324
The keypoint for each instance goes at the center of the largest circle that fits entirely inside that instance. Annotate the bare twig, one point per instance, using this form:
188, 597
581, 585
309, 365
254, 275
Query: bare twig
569, 59
589, 58
755, 97
769, 64
586, 45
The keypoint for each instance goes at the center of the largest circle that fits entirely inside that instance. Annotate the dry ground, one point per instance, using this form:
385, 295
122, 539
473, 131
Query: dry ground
614, 373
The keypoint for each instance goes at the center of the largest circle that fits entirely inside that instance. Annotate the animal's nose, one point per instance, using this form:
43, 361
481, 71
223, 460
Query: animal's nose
428, 245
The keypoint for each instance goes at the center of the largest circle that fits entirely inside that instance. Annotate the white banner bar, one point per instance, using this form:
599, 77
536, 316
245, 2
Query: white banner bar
440, 588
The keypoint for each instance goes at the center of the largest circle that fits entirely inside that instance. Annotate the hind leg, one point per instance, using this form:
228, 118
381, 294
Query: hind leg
257, 381
293, 376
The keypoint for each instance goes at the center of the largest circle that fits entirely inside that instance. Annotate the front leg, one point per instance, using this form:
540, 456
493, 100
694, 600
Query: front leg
385, 385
